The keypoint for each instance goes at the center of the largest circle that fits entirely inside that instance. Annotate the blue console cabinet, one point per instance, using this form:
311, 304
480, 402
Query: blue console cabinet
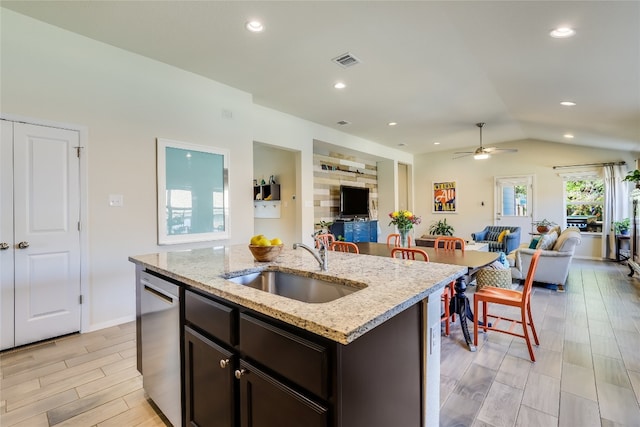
356, 231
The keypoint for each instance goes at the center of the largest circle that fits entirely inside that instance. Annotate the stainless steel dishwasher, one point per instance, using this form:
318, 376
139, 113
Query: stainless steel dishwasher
160, 331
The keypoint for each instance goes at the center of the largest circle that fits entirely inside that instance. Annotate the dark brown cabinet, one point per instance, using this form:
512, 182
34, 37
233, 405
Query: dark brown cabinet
209, 382
266, 402
246, 369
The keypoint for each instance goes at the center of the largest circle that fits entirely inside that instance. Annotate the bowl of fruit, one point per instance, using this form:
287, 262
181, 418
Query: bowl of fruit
265, 249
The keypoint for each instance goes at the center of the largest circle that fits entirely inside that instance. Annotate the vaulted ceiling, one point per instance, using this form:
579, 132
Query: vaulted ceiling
436, 68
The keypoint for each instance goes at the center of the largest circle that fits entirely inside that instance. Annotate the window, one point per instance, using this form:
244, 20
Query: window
584, 201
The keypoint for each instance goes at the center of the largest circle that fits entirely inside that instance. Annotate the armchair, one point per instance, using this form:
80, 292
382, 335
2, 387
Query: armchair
491, 233
553, 267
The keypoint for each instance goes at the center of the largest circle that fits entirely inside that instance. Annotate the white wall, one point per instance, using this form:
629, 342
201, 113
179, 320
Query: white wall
475, 180
126, 101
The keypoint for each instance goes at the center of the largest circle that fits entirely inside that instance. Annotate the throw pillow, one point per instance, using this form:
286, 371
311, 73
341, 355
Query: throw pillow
502, 235
492, 236
534, 243
547, 241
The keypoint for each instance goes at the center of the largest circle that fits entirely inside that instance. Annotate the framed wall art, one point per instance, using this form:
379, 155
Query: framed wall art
445, 195
192, 192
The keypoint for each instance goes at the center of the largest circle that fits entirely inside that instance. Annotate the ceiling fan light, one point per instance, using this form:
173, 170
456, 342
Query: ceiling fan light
481, 156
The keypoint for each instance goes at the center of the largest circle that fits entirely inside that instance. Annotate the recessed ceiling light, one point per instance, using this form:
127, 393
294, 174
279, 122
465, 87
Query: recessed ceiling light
568, 136
343, 123
562, 32
568, 103
402, 144
436, 143
339, 85
392, 123
254, 26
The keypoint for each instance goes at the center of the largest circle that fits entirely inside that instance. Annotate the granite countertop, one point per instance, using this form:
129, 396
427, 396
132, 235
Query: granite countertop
389, 286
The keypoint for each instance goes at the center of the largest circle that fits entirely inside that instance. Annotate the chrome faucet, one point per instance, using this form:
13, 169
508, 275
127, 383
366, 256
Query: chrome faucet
321, 255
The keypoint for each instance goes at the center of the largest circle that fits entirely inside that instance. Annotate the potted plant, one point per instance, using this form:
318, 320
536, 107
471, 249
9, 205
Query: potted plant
544, 225
633, 176
622, 227
323, 227
441, 228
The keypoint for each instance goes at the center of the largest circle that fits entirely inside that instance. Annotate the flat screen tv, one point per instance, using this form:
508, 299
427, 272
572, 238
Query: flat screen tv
354, 202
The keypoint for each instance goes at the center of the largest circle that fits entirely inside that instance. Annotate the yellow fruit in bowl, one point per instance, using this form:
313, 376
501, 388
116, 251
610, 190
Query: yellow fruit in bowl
264, 242
276, 241
256, 238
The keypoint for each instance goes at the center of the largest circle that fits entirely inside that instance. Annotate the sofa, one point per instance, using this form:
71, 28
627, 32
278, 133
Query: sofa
555, 259
491, 235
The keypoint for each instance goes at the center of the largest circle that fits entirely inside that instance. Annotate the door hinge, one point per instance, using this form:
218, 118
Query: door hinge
80, 299
78, 151
79, 227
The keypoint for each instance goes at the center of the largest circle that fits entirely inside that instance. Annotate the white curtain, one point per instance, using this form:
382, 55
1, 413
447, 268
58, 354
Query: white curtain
616, 205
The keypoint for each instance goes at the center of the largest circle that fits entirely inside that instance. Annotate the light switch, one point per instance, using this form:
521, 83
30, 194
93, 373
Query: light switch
116, 200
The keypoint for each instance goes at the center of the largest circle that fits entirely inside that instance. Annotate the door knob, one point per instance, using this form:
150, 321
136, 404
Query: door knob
239, 373
4, 246
224, 363
23, 245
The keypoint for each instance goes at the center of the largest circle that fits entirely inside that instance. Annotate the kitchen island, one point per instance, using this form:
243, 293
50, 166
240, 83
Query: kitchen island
375, 353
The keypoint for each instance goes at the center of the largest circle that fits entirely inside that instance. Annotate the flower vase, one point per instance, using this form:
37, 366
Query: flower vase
404, 237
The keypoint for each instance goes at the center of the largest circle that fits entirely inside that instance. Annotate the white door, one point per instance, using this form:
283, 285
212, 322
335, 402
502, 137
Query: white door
46, 240
6, 235
514, 203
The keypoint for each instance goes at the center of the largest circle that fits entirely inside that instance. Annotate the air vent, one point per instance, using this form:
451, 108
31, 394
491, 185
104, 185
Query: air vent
346, 60
343, 122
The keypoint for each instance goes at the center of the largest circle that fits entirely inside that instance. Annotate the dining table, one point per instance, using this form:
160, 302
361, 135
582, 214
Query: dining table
473, 260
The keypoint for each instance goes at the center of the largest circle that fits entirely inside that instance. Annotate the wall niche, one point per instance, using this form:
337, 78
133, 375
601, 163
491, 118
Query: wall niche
335, 169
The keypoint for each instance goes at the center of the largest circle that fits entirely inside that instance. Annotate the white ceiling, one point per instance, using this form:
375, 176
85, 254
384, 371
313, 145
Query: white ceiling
436, 68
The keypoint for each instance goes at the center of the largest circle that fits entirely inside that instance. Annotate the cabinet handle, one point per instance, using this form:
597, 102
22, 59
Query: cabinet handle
23, 245
4, 246
224, 363
240, 372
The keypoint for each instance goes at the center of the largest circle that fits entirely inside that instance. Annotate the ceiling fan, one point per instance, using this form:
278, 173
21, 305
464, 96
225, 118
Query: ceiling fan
482, 152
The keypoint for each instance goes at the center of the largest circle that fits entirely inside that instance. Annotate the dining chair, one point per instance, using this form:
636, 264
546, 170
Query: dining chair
326, 238
522, 300
393, 240
448, 243
345, 247
409, 253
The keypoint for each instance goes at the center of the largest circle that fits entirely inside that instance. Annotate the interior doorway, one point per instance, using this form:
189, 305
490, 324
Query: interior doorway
514, 203
40, 260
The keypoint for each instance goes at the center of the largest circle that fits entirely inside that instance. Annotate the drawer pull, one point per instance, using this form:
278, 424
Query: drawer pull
224, 363
240, 373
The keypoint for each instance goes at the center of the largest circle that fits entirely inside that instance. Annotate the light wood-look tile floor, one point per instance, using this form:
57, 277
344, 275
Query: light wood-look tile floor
587, 371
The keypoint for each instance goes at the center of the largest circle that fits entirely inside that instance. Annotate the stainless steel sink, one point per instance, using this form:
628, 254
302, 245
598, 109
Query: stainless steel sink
301, 288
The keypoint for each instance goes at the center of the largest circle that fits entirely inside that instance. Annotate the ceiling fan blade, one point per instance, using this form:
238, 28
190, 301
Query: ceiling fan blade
496, 150
462, 154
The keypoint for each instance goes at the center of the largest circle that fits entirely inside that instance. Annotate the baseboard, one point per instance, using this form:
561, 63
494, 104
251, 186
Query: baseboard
109, 323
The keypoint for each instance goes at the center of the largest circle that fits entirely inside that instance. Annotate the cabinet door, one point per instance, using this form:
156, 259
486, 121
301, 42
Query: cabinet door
210, 392
265, 402
373, 231
361, 232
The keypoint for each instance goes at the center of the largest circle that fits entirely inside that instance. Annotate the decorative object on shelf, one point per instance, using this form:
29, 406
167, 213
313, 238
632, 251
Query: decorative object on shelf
543, 226
441, 228
444, 197
404, 222
272, 179
622, 227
